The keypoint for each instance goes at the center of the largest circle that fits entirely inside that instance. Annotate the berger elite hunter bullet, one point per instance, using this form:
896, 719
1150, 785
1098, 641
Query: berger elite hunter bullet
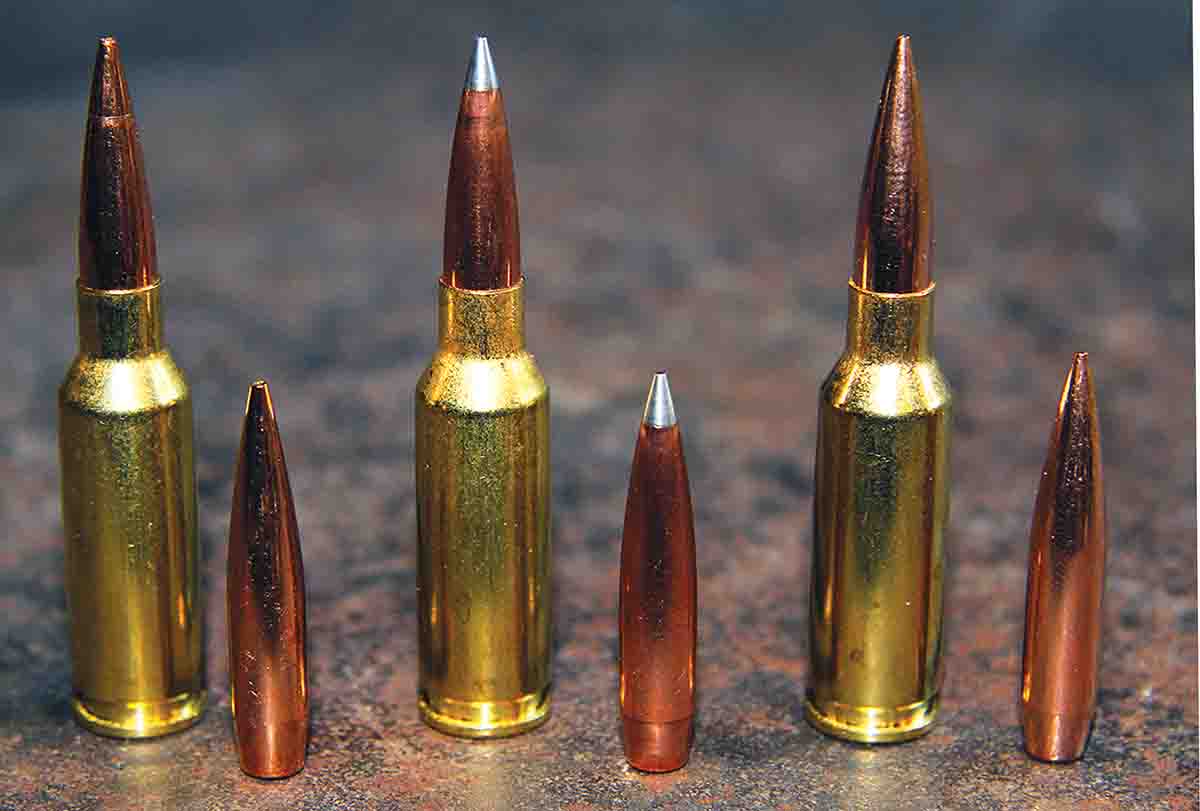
265, 602
657, 613
125, 444
882, 486
1067, 545
482, 454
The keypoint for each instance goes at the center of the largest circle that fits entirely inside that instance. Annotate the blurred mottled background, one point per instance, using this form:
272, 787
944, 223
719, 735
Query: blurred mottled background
688, 177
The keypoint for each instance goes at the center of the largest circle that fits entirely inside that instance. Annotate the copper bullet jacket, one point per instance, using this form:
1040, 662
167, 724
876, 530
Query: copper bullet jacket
894, 234
116, 226
1067, 548
482, 245
657, 614
267, 668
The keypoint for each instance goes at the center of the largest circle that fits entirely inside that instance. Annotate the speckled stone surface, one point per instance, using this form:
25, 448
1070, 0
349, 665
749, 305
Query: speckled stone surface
688, 181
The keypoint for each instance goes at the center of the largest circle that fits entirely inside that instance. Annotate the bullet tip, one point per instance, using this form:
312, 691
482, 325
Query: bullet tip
110, 94
258, 400
481, 72
894, 238
660, 408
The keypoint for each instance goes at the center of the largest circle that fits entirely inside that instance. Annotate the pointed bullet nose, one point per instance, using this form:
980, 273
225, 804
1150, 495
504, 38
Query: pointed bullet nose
660, 408
901, 56
894, 236
258, 402
481, 249
110, 95
481, 72
1078, 402
1079, 370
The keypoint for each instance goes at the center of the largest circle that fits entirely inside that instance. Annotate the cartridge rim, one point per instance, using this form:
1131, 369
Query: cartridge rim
872, 724
127, 719
487, 719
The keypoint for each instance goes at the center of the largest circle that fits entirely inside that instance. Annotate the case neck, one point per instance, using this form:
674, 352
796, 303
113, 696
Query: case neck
485, 323
883, 326
119, 323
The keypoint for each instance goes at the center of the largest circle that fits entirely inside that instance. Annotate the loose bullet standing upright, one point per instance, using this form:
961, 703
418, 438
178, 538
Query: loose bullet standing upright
657, 614
265, 601
482, 453
125, 445
882, 486
1067, 546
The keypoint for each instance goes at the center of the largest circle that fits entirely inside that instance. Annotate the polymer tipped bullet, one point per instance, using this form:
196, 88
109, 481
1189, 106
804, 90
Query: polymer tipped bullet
894, 236
657, 613
265, 597
1067, 546
482, 416
482, 248
125, 447
881, 471
116, 226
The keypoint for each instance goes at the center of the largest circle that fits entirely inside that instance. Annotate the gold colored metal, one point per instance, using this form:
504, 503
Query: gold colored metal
483, 521
129, 515
880, 506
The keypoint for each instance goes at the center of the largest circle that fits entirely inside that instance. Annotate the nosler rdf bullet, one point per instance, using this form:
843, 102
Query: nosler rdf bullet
265, 602
657, 614
1067, 546
125, 445
882, 483
482, 453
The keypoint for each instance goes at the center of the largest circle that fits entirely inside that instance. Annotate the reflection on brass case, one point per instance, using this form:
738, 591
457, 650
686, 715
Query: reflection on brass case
483, 521
129, 513
881, 499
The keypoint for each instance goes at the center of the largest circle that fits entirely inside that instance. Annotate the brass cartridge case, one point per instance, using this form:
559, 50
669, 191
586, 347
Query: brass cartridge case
880, 505
129, 515
483, 521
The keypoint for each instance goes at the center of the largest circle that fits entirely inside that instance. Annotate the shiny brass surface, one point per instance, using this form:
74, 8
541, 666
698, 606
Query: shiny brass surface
129, 516
265, 603
880, 507
483, 521
657, 609
893, 242
1068, 543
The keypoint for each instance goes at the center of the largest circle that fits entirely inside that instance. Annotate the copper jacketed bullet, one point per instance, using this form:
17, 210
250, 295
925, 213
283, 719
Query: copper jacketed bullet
657, 614
265, 600
1067, 547
482, 453
882, 481
481, 249
125, 446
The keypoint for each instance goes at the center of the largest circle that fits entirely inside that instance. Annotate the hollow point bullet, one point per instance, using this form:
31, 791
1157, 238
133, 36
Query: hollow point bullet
882, 483
125, 447
1068, 543
265, 602
657, 613
482, 453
